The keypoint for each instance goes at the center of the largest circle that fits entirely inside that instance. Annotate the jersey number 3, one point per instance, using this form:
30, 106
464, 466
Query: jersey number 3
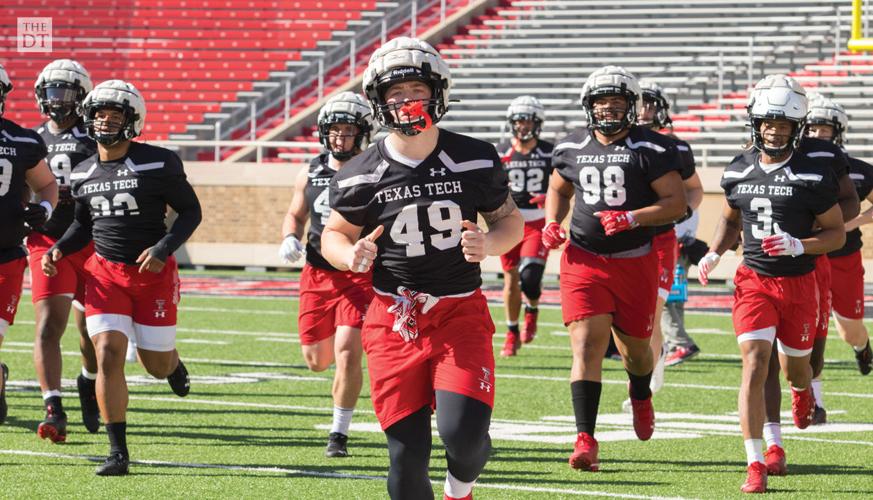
444, 216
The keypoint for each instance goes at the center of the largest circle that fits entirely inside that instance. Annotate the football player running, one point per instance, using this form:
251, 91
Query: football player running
775, 194
60, 89
22, 166
332, 302
655, 114
122, 194
407, 207
528, 163
827, 120
626, 181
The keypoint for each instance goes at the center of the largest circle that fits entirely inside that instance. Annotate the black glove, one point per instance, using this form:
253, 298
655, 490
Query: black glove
35, 215
65, 195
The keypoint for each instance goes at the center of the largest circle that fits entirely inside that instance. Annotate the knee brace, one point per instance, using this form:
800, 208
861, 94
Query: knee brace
530, 273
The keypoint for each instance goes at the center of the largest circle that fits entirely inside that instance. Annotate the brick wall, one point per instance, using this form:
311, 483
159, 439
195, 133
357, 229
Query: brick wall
241, 214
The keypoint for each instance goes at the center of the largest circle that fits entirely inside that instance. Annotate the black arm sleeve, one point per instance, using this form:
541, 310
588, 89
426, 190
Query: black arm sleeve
181, 198
78, 235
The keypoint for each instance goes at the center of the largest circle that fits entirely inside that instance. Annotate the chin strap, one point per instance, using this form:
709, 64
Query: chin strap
415, 109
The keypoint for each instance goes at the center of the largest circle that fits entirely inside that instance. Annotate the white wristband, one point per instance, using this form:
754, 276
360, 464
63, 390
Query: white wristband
48, 208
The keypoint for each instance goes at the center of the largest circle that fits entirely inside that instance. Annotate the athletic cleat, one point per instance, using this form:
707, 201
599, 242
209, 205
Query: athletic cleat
756, 479
644, 418
865, 359
179, 380
584, 455
511, 346
116, 464
802, 407
681, 354
529, 330
88, 402
336, 445
468, 497
54, 427
819, 416
3, 408
774, 459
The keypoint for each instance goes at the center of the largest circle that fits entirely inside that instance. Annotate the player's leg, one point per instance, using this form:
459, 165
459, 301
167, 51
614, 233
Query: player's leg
680, 345
463, 424
11, 279
409, 445
511, 301
816, 361
4, 373
774, 454
798, 372
86, 381
854, 333
51, 314
589, 338
847, 290
347, 383
823, 281
755, 349
531, 273
639, 363
110, 347
667, 251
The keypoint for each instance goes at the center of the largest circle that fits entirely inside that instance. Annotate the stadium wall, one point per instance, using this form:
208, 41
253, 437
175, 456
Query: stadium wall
244, 204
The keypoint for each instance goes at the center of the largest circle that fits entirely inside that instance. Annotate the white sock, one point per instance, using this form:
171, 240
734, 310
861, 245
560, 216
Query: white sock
455, 488
88, 375
773, 434
859, 348
342, 418
511, 323
816, 391
754, 452
48, 394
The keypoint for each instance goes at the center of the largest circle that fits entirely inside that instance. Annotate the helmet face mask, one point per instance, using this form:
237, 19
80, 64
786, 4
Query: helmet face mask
661, 118
772, 142
108, 130
347, 108
405, 60
777, 97
119, 96
824, 112
602, 85
329, 137
60, 88
525, 131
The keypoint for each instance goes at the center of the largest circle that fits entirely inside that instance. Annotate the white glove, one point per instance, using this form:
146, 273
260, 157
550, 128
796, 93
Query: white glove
705, 266
291, 249
782, 244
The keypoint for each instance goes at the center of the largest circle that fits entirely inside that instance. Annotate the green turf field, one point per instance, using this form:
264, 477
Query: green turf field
255, 423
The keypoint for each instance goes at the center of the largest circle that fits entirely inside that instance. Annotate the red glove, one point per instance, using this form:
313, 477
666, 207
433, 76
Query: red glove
553, 235
616, 221
539, 200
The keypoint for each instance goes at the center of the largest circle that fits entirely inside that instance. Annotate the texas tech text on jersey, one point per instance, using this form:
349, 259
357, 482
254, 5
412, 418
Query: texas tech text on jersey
778, 198
123, 204
65, 150
20, 150
422, 208
616, 176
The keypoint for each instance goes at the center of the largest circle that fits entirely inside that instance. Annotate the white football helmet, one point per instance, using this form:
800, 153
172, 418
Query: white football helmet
346, 107
120, 95
526, 107
777, 97
823, 111
655, 93
609, 81
60, 88
5, 88
403, 59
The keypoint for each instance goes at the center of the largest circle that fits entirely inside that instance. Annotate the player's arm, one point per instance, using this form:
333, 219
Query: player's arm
865, 217
848, 198
41, 182
693, 191
558, 197
728, 230
341, 246
505, 228
298, 212
832, 235
671, 204
77, 236
183, 200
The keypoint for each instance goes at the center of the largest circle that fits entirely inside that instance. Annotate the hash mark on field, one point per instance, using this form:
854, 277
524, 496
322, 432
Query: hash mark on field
234, 311
332, 475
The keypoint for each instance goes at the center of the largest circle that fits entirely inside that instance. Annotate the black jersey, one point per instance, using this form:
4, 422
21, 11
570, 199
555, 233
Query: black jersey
528, 173
861, 174
316, 195
826, 154
65, 151
686, 159
20, 150
123, 205
616, 176
786, 199
421, 209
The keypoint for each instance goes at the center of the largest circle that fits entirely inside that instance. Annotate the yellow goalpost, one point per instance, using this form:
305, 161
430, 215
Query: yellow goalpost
858, 42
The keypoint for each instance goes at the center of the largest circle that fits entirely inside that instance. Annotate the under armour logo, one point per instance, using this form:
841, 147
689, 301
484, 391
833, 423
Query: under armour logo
10, 308
160, 314
485, 381
122, 173
780, 178
804, 338
437, 171
857, 306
